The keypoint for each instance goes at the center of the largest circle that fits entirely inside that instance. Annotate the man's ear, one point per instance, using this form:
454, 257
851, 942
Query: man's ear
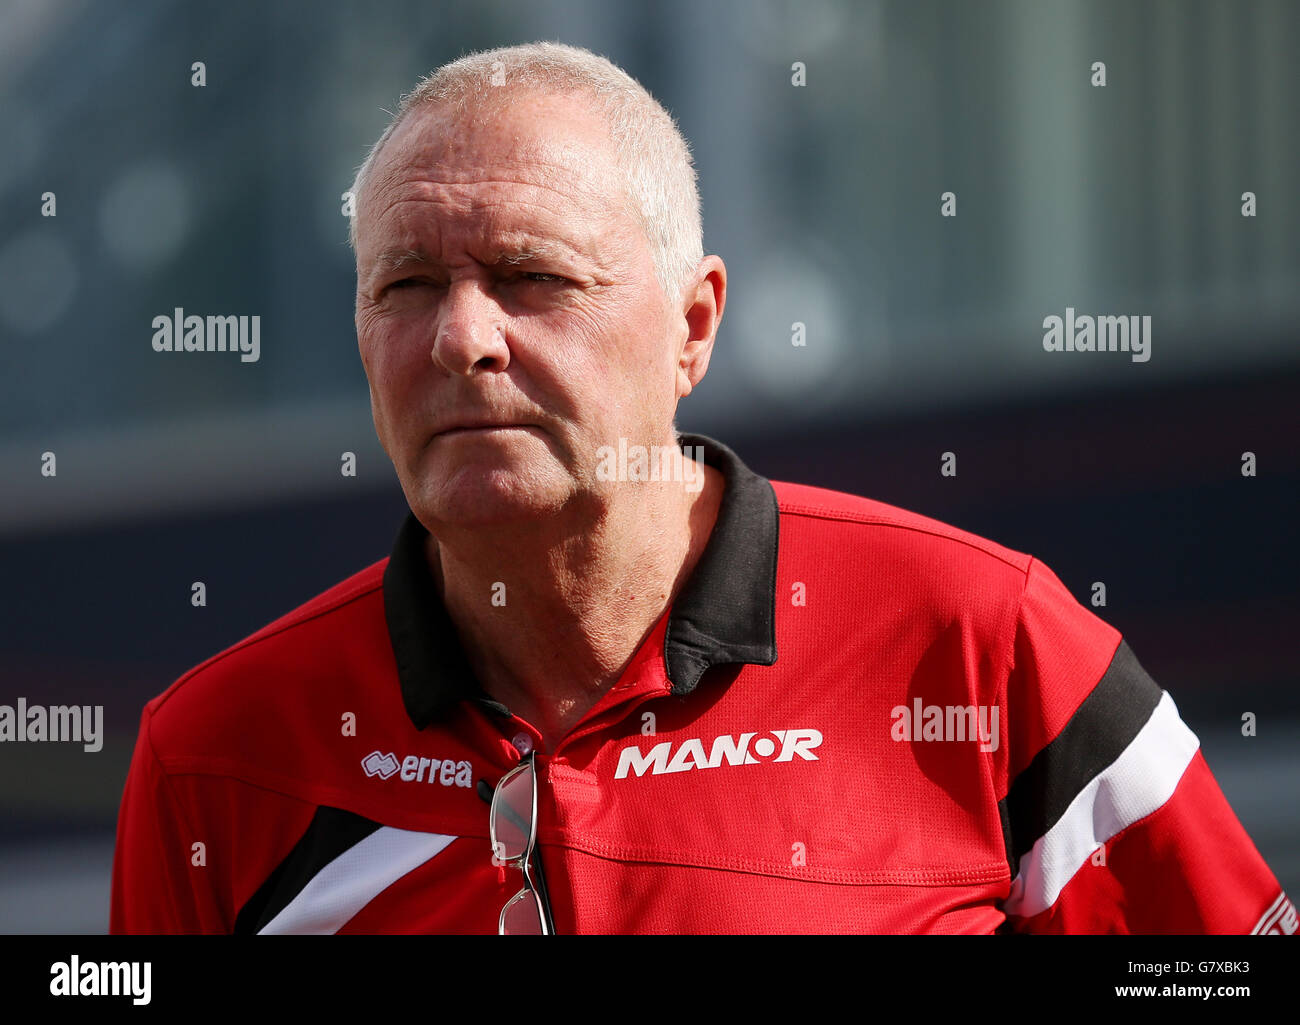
702, 308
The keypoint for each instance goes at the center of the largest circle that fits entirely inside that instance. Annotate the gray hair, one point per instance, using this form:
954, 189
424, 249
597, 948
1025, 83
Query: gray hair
660, 186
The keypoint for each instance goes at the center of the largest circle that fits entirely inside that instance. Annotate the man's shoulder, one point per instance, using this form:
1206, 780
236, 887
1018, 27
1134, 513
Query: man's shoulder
305, 648
932, 572
865, 527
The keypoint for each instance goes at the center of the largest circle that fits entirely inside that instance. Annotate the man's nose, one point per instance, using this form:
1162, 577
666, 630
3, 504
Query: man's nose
470, 334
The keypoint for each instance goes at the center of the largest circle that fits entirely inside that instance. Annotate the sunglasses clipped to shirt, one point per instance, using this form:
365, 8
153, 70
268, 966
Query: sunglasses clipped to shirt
513, 829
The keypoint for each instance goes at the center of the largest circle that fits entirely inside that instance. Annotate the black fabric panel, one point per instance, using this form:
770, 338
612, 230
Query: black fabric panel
1012, 859
431, 665
331, 832
1098, 732
726, 612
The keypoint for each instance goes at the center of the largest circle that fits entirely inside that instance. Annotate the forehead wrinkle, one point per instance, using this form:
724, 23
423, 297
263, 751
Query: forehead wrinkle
496, 229
581, 202
578, 189
580, 163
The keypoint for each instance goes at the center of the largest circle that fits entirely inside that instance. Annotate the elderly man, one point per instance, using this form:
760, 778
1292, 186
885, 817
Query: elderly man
603, 686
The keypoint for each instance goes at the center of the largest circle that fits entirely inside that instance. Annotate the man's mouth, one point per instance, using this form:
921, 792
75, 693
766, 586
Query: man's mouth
484, 429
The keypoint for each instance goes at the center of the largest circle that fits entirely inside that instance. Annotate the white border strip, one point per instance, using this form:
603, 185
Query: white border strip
1272, 916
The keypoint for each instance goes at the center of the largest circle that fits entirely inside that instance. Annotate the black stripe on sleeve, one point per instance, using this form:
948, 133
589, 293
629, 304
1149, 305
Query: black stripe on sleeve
1098, 732
331, 832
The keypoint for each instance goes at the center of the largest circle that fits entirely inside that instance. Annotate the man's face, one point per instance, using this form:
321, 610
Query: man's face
559, 353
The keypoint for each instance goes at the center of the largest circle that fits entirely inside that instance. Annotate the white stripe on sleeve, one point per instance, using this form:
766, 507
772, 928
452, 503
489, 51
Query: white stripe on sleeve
1133, 786
354, 879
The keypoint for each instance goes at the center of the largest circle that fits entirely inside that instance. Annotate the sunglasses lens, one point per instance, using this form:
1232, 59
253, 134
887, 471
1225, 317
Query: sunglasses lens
522, 916
512, 813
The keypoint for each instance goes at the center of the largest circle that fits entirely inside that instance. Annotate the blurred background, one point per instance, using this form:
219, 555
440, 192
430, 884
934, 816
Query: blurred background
924, 332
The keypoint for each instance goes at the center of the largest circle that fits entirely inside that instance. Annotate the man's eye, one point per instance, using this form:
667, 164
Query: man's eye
540, 277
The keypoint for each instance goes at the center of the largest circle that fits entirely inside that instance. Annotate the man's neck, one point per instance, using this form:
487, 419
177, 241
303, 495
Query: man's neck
551, 615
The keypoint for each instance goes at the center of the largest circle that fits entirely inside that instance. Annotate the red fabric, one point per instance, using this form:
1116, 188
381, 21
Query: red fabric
1188, 867
870, 835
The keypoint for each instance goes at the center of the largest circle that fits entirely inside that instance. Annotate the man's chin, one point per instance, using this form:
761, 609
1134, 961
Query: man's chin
483, 499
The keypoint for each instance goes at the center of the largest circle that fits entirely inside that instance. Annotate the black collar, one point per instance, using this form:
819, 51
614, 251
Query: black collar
725, 613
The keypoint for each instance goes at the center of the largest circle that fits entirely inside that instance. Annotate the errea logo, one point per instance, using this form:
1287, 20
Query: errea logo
384, 764
741, 750
381, 765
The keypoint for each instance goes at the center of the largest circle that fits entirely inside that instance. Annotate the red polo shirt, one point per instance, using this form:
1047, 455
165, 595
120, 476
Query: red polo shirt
853, 719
